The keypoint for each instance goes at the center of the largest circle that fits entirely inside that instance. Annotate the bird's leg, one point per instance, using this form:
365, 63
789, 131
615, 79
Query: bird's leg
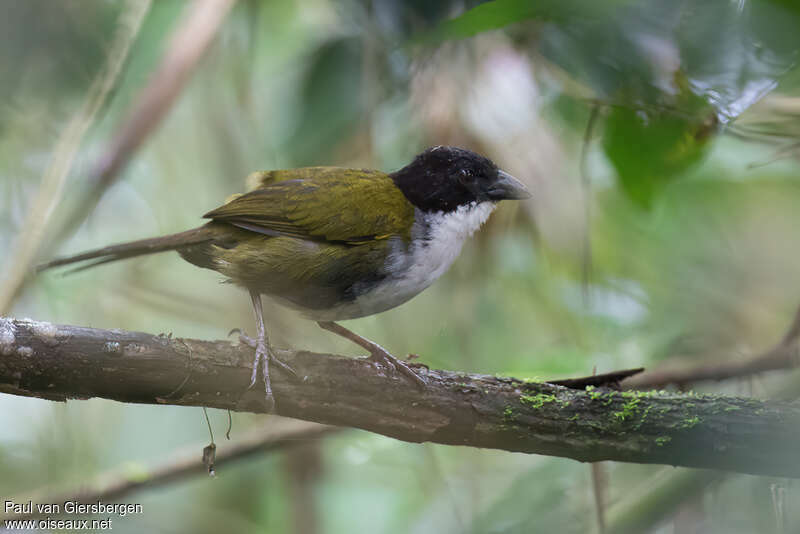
263, 350
263, 353
378, 354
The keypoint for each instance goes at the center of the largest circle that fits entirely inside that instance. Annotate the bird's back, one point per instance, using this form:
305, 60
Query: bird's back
275, 240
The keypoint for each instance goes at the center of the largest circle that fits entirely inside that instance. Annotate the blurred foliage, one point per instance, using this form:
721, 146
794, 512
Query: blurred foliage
668, 86
698, 106
332, 89
71, 53
649, 148
500, 13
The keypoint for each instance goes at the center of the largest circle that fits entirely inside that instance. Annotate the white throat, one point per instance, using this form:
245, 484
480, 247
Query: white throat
437, 241
448, 231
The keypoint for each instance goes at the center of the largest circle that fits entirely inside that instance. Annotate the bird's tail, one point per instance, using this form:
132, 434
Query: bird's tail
131, 249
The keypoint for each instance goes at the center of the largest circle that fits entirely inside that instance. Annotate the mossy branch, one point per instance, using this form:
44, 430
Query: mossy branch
60, 362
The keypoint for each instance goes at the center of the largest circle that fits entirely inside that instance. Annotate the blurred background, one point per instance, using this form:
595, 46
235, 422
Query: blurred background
660, 140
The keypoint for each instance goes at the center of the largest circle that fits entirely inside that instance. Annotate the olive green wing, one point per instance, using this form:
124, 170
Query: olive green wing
260, 179
322, 204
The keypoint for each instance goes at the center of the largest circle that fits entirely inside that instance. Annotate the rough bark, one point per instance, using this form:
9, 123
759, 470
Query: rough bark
60, 362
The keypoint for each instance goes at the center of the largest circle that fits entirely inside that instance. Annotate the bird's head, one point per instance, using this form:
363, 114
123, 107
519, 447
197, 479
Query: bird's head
443, 178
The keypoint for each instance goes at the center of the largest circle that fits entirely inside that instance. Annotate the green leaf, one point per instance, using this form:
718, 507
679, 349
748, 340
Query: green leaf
650, 147
501, 13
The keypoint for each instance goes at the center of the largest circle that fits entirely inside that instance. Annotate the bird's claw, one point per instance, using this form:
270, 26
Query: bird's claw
380, 358
262, 354
244, 338
285, 366
267, 402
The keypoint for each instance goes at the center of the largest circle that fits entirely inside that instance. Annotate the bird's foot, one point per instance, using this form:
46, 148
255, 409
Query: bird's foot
381, 357
263, 355
378, 355
253, 343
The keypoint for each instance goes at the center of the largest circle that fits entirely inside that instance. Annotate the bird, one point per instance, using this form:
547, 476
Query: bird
336, 243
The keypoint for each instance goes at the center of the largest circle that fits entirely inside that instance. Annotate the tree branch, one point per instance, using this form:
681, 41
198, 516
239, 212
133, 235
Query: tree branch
744, 435
784, 355
112, 486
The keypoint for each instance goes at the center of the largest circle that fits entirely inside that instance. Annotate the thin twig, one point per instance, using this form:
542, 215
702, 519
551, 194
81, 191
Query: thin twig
586, 188
35, 227
784, 355
605, 380
599, 489
208, 422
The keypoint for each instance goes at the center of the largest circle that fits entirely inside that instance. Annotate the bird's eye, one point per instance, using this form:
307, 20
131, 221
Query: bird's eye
464, 176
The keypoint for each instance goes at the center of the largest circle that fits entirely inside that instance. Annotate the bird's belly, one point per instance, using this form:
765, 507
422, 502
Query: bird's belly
383, 296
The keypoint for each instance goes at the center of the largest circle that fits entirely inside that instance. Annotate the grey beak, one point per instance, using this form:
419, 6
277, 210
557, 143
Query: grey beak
506, 187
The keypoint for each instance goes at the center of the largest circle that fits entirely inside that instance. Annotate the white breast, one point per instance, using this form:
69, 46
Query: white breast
446, 235
438, 238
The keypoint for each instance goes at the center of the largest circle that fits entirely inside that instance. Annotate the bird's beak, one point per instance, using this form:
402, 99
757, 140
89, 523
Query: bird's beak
506, 187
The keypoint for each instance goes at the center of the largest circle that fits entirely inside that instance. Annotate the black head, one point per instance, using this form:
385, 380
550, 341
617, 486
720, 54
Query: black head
443, 178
